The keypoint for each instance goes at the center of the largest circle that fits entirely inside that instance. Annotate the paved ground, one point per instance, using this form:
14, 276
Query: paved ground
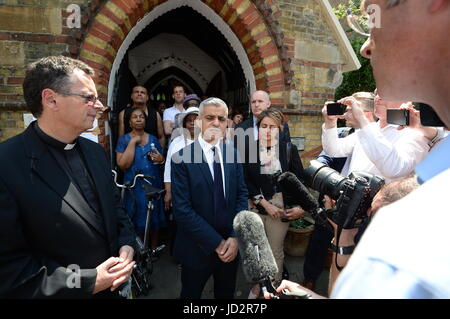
166, 279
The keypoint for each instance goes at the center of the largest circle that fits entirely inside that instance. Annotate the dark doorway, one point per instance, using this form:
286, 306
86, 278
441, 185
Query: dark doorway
203, 34
159, 71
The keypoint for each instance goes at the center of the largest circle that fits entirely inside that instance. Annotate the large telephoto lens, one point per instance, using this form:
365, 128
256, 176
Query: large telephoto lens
324, 179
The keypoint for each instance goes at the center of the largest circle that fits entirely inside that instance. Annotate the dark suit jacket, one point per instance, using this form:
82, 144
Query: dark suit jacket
46, 225
258, 183
193, 203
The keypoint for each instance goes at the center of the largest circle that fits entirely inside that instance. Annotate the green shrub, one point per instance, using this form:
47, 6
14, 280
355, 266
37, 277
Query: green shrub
300, 224
361, 80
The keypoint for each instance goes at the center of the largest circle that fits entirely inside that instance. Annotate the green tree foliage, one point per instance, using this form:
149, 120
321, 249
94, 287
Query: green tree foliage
341, 10
361, 80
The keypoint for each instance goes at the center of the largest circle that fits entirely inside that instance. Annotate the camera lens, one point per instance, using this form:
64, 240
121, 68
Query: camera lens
324, 179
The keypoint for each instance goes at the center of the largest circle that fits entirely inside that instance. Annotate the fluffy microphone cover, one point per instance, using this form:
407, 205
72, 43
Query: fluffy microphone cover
258, 264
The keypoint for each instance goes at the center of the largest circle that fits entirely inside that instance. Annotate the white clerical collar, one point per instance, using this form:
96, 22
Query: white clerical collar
51, 140
68, 147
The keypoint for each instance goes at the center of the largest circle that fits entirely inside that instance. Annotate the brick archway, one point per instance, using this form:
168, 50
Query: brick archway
251, 22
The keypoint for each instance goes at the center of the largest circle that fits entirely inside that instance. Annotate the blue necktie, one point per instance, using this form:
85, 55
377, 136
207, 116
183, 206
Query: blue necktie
219, 198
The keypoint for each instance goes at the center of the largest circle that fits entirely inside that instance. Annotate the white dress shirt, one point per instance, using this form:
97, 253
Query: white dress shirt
386, 152
209, 154
177, 144
169, 113
255, 128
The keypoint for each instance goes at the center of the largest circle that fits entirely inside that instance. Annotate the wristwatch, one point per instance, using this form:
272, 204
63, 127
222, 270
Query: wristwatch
257, 199
342, 250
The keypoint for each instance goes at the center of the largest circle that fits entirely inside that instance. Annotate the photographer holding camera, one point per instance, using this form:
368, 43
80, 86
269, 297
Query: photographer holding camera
402, 263
319, 242
375, 147
432, 133
398, 257
349, 238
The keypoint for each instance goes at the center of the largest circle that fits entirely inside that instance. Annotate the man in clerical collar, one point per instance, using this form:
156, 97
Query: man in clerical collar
63, 232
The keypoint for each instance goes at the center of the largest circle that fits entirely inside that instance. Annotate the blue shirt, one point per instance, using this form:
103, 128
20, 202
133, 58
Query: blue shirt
404, 252
436, 162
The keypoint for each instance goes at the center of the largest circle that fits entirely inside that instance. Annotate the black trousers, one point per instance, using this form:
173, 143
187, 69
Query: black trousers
316, 254
193, 281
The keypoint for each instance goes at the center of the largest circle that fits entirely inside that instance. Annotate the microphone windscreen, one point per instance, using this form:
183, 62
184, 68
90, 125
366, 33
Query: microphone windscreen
295, 193
258, 262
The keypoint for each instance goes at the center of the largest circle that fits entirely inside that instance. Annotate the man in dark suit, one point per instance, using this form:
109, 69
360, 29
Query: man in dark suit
259, 102
62, 231
208, 190
246, 133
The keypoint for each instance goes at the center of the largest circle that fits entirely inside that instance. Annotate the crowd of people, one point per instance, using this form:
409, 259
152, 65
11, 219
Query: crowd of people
183, 126
65, 231
386, 262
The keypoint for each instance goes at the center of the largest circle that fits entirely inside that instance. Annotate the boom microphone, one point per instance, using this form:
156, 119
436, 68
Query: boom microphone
258, 263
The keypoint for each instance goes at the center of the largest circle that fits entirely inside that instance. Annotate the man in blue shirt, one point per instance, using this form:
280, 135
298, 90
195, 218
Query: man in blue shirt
401, 255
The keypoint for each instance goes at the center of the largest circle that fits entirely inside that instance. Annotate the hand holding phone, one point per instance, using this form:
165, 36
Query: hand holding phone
428, 116
398, 116
336, 108
330, 120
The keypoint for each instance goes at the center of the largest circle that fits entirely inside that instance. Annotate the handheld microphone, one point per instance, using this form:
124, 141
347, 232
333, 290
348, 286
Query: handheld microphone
258, 263
295, 193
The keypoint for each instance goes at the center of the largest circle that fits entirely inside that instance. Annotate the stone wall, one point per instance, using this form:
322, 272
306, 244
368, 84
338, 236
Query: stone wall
29, 30
315, 62
11, 123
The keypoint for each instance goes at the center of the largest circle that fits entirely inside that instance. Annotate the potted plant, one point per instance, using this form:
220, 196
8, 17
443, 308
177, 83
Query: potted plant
297, 238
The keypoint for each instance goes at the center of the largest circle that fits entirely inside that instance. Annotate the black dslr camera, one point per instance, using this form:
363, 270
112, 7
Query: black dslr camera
353, 194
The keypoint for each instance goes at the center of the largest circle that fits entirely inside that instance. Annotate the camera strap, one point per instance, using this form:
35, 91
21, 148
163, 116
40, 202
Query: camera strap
343, 250
338, 235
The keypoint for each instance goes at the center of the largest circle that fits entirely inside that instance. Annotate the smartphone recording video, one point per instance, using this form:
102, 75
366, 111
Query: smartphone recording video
336, 108
398, 117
